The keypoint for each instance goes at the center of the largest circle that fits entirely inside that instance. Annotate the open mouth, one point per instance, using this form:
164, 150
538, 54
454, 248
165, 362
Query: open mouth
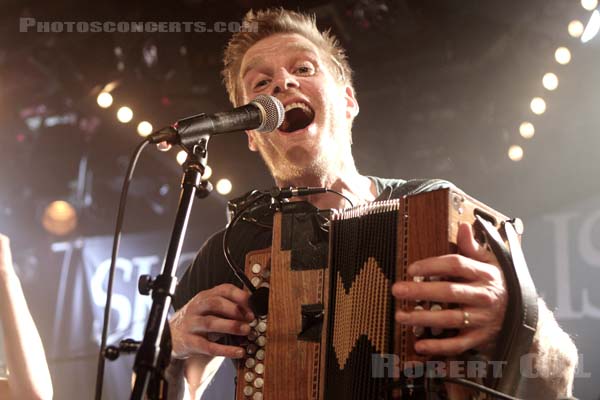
297, 116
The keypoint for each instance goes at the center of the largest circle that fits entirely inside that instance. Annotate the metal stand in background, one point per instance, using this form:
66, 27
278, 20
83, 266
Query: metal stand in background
154, 352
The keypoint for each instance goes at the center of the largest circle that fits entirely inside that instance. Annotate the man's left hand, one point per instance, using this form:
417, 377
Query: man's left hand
471, 280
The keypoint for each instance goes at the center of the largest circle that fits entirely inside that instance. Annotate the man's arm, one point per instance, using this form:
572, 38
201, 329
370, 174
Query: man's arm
29, 377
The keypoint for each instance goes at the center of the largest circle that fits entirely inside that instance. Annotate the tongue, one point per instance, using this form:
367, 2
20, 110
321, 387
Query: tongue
295, 119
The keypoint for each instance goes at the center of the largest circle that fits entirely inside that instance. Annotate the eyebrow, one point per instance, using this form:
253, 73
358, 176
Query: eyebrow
257, 61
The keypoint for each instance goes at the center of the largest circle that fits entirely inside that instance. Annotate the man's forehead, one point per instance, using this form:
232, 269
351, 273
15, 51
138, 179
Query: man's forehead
260, 53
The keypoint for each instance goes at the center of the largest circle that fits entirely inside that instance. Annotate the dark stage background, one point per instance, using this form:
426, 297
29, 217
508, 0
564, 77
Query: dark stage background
443, 87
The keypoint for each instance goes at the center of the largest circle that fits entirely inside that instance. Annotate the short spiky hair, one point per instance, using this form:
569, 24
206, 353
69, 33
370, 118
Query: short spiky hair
264, 23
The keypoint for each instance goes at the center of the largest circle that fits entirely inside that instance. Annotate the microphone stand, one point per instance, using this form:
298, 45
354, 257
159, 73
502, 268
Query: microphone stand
154, 353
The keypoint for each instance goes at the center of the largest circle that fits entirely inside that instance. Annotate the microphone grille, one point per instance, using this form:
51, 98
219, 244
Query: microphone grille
274, 113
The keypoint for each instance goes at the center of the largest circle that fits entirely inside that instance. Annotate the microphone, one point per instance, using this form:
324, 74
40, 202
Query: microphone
263, 114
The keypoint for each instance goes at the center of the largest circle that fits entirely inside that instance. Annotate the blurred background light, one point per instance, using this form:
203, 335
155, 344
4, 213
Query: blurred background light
224, 186
125, 114
144, 128
550, 81
576, 28
527, 130
592, 27
589, 4
515, 153
562, 55
59, 218
181, 157
538, 105
104, 99
207, 173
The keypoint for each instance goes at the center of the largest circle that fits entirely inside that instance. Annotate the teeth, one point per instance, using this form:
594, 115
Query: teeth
302, 106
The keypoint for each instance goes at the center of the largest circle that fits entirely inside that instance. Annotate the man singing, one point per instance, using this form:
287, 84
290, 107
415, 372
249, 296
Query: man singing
287, 57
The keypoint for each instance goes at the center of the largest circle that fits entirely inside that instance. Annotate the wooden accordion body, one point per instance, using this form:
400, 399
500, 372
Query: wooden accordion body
331, 313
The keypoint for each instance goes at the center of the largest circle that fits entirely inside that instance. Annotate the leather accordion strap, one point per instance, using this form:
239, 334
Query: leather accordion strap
521, 316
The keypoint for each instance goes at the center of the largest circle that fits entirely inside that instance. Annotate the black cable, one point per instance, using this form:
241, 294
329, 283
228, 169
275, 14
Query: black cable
341, 195
111, 274
481, 388
238, 272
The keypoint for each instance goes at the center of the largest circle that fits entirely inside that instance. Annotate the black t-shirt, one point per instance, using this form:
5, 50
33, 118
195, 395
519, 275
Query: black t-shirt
210, 268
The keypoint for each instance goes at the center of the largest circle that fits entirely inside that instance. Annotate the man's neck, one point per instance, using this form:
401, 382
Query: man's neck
358, 188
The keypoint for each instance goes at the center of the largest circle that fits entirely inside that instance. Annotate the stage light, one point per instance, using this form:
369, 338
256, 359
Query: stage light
60, 218
144, 128
207, 173
538, 105
181, 157
592, 27
589, 4
527, 130
562, 55
224, 186
125, 114
515, 153
575, 28
104, 99
550, 81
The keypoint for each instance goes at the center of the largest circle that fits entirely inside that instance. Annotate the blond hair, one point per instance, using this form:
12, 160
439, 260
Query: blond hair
273, 21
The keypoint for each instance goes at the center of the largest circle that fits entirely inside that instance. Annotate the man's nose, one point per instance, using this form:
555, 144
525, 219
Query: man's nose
284, 81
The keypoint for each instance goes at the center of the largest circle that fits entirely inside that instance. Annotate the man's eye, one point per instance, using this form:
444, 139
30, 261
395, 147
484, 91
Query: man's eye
304, 70
261, 83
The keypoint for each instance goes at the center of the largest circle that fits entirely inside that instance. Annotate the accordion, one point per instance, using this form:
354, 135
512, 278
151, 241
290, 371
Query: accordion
330, 331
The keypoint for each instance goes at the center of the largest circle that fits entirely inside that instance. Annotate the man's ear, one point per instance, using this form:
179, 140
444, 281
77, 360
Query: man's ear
251, 142
351, 103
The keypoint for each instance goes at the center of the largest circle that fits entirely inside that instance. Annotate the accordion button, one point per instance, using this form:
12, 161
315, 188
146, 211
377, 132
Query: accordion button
248, 390
256, 281
252, 336
258, 383
250, 362
261, 327
418, 331
257, 396
266, 273
253, 323
418, 278
265, 284
260, 355
261, 341
256, 268
260, 368
436, 307
419, 308
249, 376
251, 349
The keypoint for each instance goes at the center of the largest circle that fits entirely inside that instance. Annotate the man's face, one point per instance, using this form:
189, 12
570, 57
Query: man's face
315, 135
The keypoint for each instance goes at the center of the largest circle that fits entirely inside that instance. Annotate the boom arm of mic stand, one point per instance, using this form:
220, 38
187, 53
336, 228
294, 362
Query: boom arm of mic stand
153, 355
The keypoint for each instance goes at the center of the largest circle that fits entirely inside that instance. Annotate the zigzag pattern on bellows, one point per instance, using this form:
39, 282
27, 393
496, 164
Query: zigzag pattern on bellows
361, 312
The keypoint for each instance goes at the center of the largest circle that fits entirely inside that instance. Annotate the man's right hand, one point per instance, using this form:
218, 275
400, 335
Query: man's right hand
218, 311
